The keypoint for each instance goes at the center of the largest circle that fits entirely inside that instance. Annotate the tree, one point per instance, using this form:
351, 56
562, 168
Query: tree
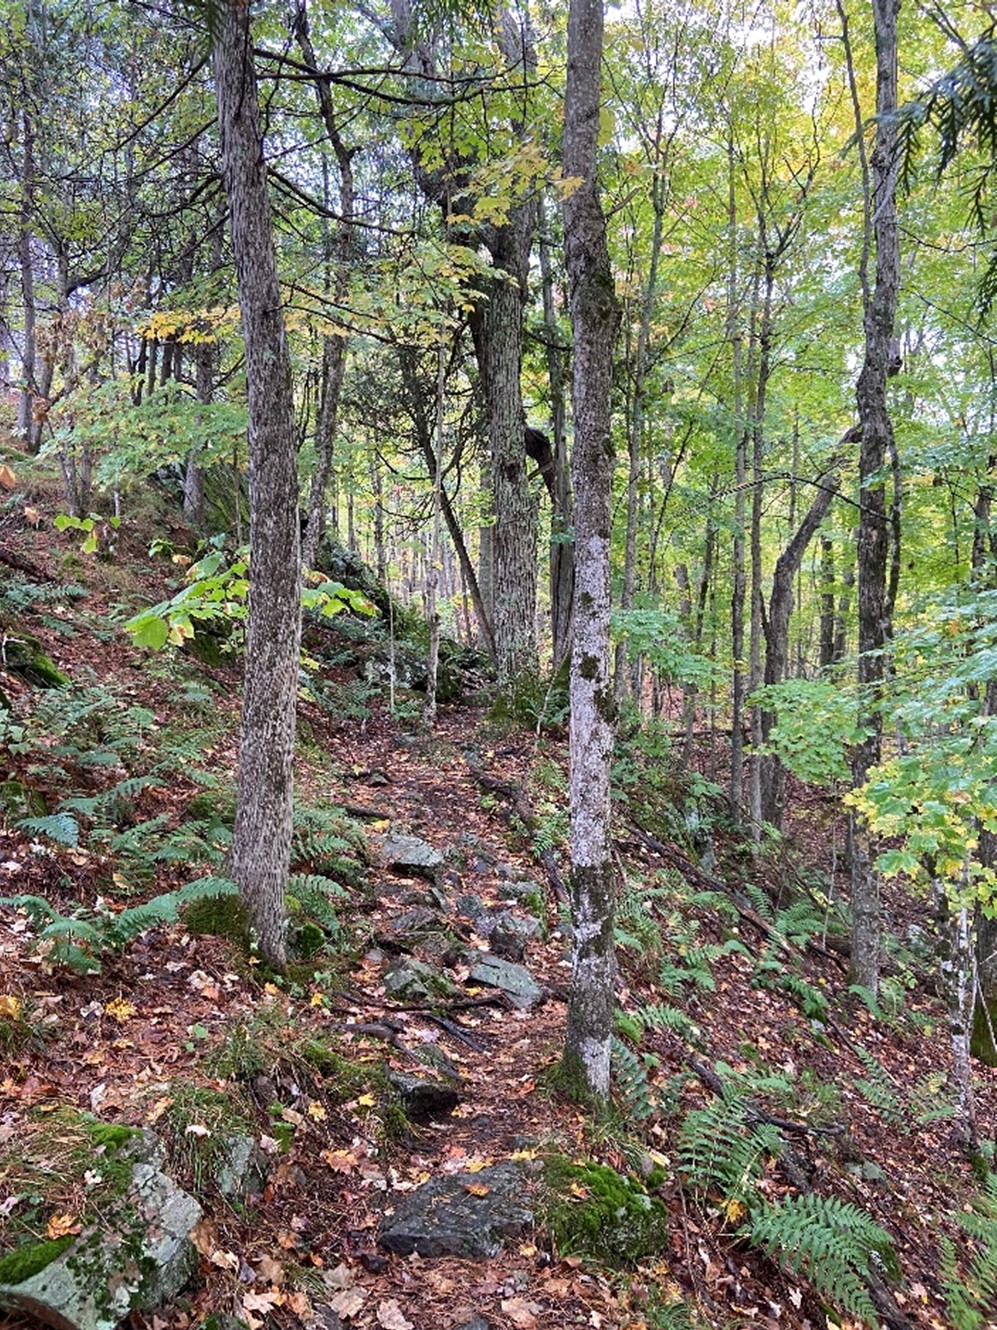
594, 321
879, 306
262, 840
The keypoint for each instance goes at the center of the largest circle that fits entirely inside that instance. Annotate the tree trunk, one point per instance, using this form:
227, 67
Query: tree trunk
594, 321
333, 344
562, 546
740, 444
26, 403
262, 839
879, 306
772, 772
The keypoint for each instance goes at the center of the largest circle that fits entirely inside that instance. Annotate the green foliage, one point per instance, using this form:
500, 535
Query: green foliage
722, 1152
216, 594
94, 528
78, 941
829, 1241
59, 827
631, 1083
878, 1089
772, 971
597, 1212
969, 1278
815, 728
660, 637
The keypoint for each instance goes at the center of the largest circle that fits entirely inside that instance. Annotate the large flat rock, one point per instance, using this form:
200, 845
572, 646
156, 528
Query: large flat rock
460, 1214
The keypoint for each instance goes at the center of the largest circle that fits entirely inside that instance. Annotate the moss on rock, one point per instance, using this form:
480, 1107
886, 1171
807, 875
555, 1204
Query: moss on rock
30, 1259
595, 1211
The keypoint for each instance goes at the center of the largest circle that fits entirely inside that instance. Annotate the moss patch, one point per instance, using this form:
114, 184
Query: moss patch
594, 1211
24, 1262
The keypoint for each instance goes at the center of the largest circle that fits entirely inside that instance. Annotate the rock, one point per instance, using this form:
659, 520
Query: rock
23, 656
243, 1170
422, 1098
410, 980
515, 980
510, 933
449, 1215
409, 854
403, 932
140, 1256
473, 908
476, 1323
431, 1055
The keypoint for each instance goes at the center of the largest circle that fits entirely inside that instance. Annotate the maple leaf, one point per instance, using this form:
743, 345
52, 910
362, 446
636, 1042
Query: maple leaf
348, 1302
316, 1110
391, 1317
477, 1189
11, 1006
60, 1226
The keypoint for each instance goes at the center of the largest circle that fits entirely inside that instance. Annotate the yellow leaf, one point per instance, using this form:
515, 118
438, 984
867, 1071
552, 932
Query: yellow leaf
120, 1009
316, 1111
735, 1210
272, 990
476, 1165
477, 1189
11, 1006
367, 1101
60, 1226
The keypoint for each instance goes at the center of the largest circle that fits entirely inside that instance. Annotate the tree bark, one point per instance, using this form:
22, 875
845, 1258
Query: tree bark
262, 839
594, 319
879, 307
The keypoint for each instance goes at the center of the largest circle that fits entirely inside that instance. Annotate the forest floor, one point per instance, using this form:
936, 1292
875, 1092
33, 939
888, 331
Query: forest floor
866, 1125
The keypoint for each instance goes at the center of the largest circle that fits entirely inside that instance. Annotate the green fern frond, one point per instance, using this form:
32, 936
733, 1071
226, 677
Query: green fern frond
831, 1242
759, 899
631, 1081
62, 828
37, 909
879, 1091
663, 1017
722, 1153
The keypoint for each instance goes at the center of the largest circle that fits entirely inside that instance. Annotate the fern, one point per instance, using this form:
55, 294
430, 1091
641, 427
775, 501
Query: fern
829, 1241
971, 1288
632, 1085
62, 828
314, 892
878, 1089
77, 941
722, 1154
760, 902
664, 1017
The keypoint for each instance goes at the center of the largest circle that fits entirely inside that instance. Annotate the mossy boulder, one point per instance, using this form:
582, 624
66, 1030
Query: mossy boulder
24, 657
594, 1211
134, 1256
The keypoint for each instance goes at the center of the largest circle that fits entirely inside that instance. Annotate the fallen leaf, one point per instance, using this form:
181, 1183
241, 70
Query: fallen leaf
11, 1006
477, 1189
521, 1313
60, 1226
270, 1270
348, 1302
7, 477
367, 1101
316, 1110
159, 1108
390, 1315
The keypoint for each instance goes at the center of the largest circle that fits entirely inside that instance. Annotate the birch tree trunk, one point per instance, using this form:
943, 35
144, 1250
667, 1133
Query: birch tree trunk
594, 320
262, 839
